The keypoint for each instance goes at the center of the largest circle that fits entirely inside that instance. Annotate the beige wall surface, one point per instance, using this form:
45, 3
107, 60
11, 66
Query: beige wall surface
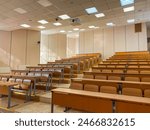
53, 47
5, 39
110, 40
44, 49
33, 48
72, 46
105, 41
19, 47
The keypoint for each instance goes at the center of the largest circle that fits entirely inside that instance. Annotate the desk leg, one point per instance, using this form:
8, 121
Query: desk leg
52, 105
113, 106
34, 86
9, 97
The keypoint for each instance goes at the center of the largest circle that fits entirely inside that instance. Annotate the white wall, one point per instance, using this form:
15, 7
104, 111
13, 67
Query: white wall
110, 40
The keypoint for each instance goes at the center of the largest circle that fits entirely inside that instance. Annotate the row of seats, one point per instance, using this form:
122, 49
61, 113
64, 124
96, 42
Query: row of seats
123, 66
24, 85
111, 89
125, 78
132, 71
131, 55
84, 61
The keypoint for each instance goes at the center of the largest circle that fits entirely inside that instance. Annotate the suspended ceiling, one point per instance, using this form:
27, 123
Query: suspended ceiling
11, 20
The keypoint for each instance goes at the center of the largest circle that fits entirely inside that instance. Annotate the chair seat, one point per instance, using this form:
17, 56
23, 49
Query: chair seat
21, 87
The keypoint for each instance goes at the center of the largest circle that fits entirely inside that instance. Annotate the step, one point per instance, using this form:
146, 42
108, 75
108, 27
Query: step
57, 80
66, 75
45, 97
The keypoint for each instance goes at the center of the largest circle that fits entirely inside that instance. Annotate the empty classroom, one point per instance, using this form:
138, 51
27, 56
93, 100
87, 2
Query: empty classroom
72, 56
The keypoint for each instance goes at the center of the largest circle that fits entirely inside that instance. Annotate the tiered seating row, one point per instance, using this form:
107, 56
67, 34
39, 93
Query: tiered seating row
82, 61
98, 102
9, 85
112, 86
118, 76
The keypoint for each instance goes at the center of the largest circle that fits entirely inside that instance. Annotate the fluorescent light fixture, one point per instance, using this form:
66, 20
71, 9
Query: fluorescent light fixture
41, 27
96, 27
43, 21
62, 31
91, 26
91, 10
44, 3
110, 24
20, 10
57, 24
127, 9
126, 2
100, 15
76, 29
64, 16
130, 20
82, 29
25, 25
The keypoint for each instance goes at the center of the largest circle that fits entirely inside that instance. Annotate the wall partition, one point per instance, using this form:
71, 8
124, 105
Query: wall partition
110, 40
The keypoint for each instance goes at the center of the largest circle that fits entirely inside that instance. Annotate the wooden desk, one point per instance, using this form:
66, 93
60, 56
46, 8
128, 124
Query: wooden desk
81, 100
98, 102
5, 89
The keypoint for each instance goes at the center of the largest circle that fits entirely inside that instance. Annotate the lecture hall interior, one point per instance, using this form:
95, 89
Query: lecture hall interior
74, 56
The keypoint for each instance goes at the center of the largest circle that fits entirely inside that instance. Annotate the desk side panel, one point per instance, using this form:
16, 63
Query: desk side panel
83, 103
131, 107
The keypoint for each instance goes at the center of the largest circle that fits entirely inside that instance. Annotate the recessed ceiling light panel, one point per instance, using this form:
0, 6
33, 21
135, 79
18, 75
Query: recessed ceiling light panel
128, 9
110, 24
62, 31
92, 26
91, 10
25, 25
130, 20
41, 27
44, 3
100, 15
76, 29
57, 24
20, 10
126, 2
43, 21
64, 16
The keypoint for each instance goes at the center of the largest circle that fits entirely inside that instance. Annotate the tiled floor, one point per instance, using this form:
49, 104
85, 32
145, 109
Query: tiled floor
39, 107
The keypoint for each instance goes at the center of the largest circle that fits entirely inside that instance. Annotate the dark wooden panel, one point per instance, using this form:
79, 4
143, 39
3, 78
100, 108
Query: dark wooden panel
138, 27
